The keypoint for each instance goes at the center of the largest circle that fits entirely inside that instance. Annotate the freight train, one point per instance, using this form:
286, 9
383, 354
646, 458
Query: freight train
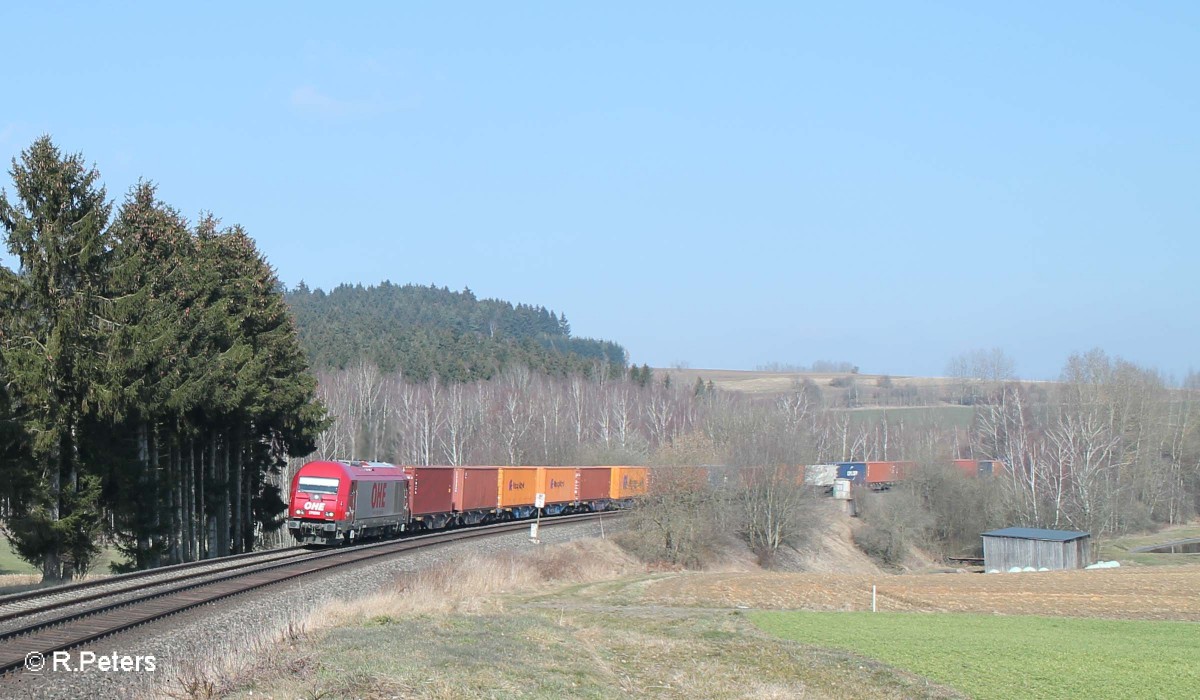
880, 476
341, 501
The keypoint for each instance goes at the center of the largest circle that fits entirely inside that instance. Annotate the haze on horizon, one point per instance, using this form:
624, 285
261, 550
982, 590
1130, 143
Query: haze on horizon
890, 185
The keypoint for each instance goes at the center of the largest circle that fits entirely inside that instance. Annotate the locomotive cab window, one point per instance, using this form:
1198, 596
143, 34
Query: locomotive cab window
316, 484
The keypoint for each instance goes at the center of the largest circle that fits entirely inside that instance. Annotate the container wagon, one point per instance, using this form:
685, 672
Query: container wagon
561, 486
517, 491
431, 495
627, 483
881, 475
855, 472
820, 475
476, 496
595, 488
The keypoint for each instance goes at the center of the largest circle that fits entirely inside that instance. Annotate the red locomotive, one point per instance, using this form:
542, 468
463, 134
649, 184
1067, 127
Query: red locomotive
344, 501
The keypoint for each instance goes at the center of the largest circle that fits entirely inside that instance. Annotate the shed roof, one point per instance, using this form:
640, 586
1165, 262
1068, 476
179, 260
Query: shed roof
1033, 533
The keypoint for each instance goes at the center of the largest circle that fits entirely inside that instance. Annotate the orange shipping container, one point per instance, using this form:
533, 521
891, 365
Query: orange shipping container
518, 486
628, 482
560, 484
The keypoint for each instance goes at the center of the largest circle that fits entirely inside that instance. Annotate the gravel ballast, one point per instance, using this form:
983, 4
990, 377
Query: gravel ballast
184, 645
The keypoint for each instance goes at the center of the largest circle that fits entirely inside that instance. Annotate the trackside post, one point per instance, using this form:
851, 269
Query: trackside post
539, 502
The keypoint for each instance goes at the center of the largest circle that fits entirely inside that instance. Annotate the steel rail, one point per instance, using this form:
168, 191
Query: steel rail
190, 571
119, 578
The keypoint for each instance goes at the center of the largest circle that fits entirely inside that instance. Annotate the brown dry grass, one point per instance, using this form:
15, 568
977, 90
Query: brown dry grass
478, 583
472, 585
830, 550
15, 583
1127, 593
552, 623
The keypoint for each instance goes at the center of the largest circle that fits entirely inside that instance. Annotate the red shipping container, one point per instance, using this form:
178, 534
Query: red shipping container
432, 490
881, 472
476, 488
594, 483
969, 467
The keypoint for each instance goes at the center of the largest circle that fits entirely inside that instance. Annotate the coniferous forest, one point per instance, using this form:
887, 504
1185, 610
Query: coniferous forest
151, 377
424, 332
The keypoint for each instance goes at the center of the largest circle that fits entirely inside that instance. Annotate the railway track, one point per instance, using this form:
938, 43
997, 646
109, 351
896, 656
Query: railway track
19, 605
95, 614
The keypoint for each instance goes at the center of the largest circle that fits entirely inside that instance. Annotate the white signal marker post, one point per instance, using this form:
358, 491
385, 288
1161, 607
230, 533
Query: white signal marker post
539, 502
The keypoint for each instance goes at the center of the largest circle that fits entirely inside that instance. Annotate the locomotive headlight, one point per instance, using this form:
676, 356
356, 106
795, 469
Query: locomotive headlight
299, 511
329, 514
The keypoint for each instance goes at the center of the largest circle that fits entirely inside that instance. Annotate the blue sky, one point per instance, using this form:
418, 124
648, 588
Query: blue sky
724, 185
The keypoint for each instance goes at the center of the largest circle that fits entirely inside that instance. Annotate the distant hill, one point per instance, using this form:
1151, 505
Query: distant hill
427, 331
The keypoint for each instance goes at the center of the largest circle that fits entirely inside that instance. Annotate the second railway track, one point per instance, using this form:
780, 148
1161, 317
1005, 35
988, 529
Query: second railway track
185, 591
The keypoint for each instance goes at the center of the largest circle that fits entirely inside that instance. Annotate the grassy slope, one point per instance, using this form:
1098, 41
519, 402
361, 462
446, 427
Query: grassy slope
10, 563
1121, 548
462, 630
548, 653
559, 648
590, 622
1013, 657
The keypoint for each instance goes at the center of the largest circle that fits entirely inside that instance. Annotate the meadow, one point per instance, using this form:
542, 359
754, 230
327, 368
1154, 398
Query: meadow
990, 656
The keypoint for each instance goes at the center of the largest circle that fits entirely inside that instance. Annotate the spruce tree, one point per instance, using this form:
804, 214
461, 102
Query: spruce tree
55, 318
153, 262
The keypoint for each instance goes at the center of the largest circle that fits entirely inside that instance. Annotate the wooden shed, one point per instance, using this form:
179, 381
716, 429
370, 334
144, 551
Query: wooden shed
1032, 547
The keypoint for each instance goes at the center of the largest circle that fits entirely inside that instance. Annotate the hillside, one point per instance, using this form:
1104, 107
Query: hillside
428, 331
773, 382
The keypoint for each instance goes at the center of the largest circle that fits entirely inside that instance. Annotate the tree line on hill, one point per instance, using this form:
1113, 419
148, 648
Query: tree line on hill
151, 379
424, 332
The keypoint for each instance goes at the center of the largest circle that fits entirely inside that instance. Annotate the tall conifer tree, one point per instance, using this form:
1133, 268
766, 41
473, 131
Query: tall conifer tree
55, 318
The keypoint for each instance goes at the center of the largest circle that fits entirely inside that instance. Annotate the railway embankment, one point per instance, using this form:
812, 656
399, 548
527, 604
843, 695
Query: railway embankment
195, 650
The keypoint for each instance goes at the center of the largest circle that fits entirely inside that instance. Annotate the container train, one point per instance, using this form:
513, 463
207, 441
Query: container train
340, 501
881, 476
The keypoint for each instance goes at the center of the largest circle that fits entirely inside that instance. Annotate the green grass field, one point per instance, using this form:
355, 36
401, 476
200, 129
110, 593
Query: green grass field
1122, 548
10, 563
1013, 656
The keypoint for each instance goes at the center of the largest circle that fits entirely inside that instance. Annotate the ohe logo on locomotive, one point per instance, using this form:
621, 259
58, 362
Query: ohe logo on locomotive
379, 495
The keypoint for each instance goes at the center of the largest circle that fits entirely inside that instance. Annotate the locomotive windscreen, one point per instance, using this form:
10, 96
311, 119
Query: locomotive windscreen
317, 484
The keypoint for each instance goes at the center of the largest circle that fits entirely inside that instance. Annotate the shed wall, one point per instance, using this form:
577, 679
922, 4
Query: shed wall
1003, 553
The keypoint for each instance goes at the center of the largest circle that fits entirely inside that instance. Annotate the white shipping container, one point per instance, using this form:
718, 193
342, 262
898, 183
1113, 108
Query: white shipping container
820, 474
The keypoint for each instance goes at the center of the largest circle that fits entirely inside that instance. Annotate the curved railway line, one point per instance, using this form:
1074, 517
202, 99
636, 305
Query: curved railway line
66, 617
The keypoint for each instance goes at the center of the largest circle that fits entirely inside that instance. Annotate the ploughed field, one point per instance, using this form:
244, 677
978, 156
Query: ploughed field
1134, 593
